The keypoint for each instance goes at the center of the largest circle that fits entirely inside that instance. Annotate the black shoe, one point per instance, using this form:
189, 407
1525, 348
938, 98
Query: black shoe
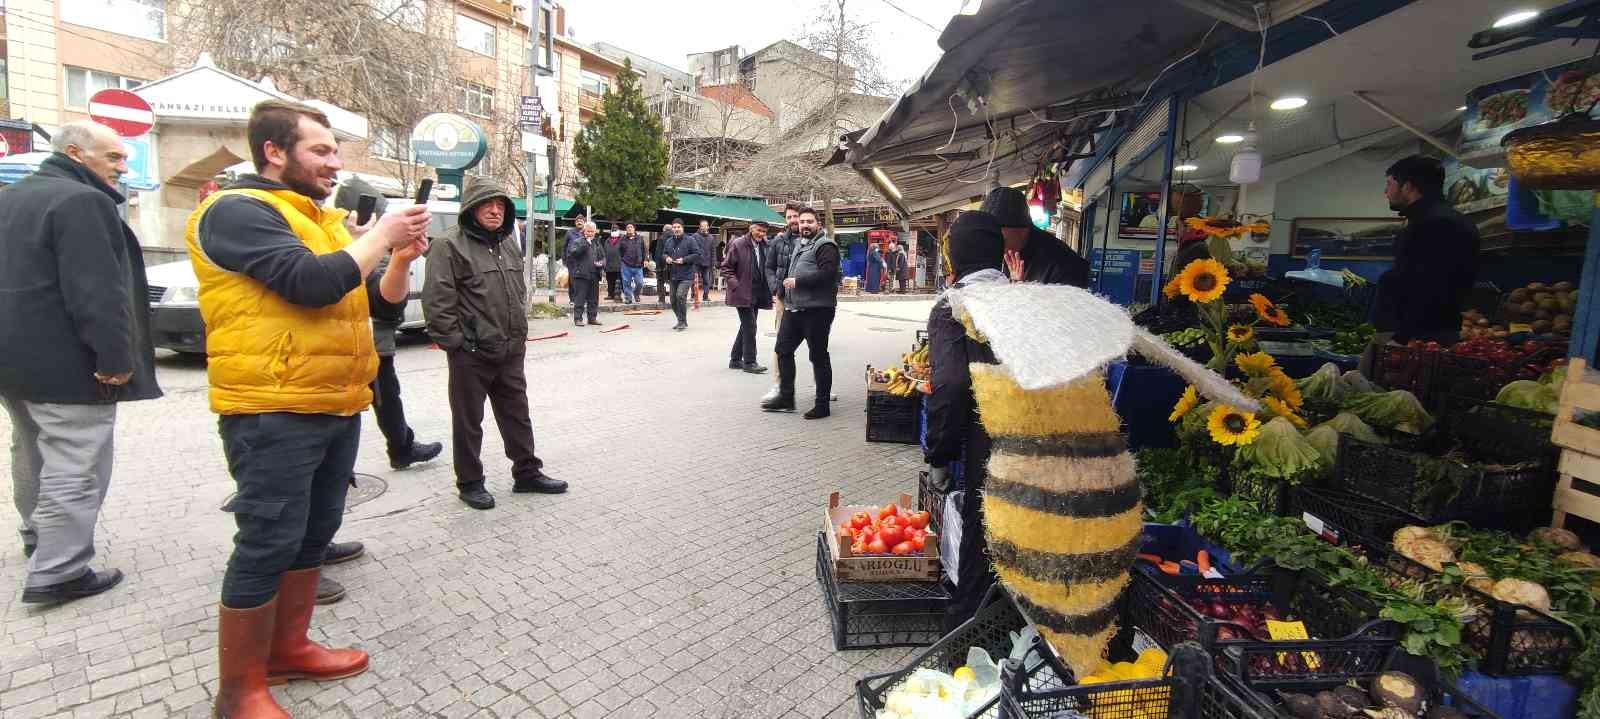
595, 323
817, 412
681, 326
778, 404
476, 497
577, 323
87, 585
753, 368
27, 549
328, 591
420, 452
539, 483
735, 364
341, 552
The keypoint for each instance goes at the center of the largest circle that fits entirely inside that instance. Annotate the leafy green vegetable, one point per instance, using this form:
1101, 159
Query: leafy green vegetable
1398, 410
1322, 385
1347, 423
1280, 452
1528, 394
1352, 341
1355, 383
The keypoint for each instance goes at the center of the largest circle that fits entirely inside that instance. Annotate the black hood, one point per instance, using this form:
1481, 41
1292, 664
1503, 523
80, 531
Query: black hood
477, 192
348, 197
976, 244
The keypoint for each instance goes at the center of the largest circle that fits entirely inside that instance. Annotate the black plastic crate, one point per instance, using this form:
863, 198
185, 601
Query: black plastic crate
1271, 496
1511, 497
989, 629
1348, 637
1351, 511
1266, 703
892, 418
1407, 368
930, 499
872, 615
1492, 432
1188, 689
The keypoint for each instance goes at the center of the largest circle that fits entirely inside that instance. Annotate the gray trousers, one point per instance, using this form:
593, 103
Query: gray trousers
60, 470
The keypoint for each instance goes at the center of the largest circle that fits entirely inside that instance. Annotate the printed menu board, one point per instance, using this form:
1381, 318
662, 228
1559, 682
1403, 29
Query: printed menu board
1496, 109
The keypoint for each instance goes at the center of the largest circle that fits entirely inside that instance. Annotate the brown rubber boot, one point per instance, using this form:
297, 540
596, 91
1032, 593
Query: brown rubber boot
244, 638
293, 655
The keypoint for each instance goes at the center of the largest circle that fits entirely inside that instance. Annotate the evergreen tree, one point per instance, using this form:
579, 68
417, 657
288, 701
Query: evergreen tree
622, 156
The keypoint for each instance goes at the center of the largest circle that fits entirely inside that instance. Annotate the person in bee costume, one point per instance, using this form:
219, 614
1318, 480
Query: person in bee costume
1019, 388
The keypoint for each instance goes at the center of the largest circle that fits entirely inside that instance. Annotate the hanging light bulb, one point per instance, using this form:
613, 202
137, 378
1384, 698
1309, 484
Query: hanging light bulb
1246, 165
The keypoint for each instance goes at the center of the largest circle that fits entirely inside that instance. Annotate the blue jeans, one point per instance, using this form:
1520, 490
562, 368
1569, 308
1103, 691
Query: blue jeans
292, 471
632, 283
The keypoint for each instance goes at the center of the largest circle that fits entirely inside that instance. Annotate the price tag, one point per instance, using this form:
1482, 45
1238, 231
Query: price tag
1142, 641
1287, 631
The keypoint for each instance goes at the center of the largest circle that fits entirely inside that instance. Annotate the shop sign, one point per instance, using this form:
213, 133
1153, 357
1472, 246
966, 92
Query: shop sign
203, 110
138, 177
1496, 109
448, 142
1119, 276
17, 136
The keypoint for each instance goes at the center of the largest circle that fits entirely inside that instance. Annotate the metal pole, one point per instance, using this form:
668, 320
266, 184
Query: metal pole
1112, 217
1166, 200
1413, 129
550, 197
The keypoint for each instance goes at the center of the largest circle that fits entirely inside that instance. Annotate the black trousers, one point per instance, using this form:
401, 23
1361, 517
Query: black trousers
613, 284
744, 343
585, 296
292, 472
680, 299
811, 326
391, 414
474, 378
663, 282
974, 572
706, 276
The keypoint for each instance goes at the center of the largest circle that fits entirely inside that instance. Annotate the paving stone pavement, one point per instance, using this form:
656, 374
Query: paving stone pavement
674, 580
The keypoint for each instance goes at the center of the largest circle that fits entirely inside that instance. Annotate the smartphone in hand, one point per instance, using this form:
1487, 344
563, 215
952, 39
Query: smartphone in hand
424, 189
364, 208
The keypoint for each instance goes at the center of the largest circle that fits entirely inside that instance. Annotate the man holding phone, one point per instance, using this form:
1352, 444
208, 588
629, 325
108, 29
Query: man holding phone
291, 361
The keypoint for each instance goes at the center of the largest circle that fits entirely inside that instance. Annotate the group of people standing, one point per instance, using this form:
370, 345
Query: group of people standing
888, 266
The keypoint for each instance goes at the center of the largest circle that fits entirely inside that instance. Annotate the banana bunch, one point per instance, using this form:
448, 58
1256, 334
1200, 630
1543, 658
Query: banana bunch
918, 356
900, 384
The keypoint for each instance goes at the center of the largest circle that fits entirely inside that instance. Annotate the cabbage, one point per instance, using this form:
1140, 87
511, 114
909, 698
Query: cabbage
1355, 383
1280, 452
1346, 423
1555, 378
1397, 409
1325, 440
1322, 385
1528, 394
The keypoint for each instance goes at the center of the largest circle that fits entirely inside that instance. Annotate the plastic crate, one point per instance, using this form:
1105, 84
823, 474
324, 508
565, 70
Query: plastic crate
1270, 496
1189, 690
1265, 703
1407, 368
1350, 512
930, 499
892, 418
1494, 432
1179, 543
870, 615
1349, 639
1511, 497
990, 629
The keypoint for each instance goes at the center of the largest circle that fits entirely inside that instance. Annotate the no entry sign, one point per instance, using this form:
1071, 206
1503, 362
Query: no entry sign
124, 112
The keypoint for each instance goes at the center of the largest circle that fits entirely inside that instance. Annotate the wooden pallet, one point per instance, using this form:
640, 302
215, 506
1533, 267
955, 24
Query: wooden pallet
1578, 492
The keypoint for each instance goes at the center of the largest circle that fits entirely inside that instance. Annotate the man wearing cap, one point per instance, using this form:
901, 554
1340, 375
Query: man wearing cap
1045, 259
744, 268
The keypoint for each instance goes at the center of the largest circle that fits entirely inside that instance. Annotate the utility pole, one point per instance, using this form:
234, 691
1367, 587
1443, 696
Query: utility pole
550, 194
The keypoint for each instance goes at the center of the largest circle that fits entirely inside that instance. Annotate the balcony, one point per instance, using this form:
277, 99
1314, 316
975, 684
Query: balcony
590, 102
502, 10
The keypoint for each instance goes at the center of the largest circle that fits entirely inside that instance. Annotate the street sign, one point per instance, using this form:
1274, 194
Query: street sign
124, 112
448, 142
530, 114
138, 177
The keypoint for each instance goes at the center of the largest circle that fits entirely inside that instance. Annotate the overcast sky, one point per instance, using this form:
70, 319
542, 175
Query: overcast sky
668, 31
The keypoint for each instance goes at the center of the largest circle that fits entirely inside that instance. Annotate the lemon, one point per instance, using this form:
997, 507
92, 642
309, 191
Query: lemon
1093, 679
1152, 657
1126, 670
966, 673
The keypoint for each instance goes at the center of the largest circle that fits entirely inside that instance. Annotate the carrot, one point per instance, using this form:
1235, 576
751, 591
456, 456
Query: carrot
1203, 558
1170, 568
1151, 558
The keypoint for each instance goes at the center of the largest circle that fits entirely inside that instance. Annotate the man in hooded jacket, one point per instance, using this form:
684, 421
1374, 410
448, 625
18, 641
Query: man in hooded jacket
476, 304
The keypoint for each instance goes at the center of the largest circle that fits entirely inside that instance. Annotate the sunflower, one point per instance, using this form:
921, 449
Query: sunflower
1240, 334
1269, 312
1171, 288
1187, 401
1203, 280
1221, 227
1232, 426
1260, 302
1255, 364
1277, 407
1284, 388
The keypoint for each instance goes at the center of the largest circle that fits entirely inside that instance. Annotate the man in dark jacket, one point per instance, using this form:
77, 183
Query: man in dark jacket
74, 341
708, 259
681, 254
781, 249
744, 269
663, 274
1045, 259
630, 250
1435, 258
813, 296
954, 432
613, 266
586, 262
476, 307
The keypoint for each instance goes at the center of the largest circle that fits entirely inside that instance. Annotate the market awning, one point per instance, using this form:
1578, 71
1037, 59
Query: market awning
541, 206
720, 206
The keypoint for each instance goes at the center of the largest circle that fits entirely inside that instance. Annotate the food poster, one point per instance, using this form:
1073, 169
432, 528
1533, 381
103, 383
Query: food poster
1496, 109
1472, 189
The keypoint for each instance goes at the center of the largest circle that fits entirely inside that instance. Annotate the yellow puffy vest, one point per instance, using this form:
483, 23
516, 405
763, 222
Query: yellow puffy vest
267, 354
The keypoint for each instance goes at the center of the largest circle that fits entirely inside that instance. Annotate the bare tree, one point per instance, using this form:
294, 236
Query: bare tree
713, 138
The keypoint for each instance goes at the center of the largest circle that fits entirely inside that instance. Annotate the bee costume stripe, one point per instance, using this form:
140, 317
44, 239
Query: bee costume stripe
1062, 510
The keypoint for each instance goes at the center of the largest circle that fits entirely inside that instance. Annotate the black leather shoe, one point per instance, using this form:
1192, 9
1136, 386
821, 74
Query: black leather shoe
753, 368
594, 323
87, 585
778, 404
735, 364
340, 552
477, 497
817, 412
539, 484
420, 452
328, 591
27, 549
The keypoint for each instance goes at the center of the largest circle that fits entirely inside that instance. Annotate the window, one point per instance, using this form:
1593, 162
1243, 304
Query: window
139, 18
594, 84
476, 99
405, 13
474, 35
389, 143
83, 84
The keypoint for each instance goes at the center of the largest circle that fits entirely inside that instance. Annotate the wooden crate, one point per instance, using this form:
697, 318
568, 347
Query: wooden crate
1578, 492
876, 568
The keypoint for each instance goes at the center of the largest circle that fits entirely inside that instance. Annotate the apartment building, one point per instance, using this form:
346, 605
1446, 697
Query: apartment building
59, 53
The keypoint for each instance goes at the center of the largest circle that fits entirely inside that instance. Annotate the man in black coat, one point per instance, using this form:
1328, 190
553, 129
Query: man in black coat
1045, 259
1435, 257
744, 269
586, 262
74, 341
613, 265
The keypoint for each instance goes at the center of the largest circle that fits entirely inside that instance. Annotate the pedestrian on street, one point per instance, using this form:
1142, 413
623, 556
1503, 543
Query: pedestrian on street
586, 262
291, 361
632, 255
663, 272
681, 253
576, 233
813, 294
613, 266
745, 271
877, 270
781, 249
476, 305
74, 342
900, 266
708, 259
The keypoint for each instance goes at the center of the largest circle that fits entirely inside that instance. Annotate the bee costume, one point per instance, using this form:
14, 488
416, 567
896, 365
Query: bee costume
1062, 510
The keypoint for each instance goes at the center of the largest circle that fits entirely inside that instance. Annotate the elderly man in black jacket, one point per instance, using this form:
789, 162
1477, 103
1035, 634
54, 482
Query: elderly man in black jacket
586, 262
1435, 257
74, 341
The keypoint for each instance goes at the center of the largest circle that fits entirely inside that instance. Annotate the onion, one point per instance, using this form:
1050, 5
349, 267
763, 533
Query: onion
1477, 577
1521, 591
1430, 553
1560, 537
1406, 535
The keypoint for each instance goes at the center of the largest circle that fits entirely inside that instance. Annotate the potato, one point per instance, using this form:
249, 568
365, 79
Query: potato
1561, 323
1536, 286
1543, 314
1528, 308
1540, 297
1542, 326
1520, 296
1563, 538
1562, 287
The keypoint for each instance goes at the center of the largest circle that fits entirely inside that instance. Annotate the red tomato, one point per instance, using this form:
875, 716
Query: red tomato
918, 543
888, 510
915, 533
903, 548
892, 534
893, 520
876, 546
919, 519
860, 519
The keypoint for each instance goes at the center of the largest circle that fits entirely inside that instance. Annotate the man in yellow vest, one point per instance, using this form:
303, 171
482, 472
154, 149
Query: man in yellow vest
291, 359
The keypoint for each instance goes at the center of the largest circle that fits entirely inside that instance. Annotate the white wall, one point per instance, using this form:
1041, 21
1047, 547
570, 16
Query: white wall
1351, 186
